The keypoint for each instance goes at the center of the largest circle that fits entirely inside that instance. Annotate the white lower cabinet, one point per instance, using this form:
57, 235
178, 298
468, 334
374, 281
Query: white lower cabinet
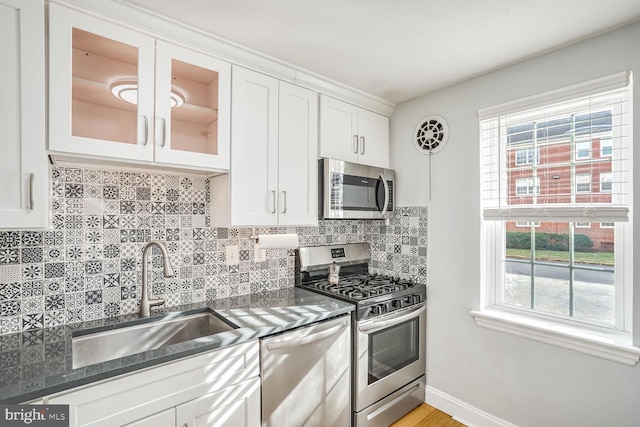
161, 419
237, 405
219, 388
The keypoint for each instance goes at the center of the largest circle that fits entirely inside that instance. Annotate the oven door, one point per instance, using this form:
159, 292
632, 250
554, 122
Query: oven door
389, 354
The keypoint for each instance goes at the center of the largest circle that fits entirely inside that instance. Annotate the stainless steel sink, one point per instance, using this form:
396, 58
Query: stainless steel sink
96, 347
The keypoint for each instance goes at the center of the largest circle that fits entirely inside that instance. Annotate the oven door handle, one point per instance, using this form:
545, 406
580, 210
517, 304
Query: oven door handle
383, 324
287, 344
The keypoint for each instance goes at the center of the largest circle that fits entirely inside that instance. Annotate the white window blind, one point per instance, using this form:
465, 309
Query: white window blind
578, 134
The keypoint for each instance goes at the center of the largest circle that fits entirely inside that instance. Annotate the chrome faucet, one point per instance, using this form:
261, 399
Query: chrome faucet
145, 302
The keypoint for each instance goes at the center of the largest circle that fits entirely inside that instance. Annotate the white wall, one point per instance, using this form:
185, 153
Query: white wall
518, 380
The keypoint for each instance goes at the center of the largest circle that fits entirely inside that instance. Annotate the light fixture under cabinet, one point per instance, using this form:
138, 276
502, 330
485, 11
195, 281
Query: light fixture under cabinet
127, 90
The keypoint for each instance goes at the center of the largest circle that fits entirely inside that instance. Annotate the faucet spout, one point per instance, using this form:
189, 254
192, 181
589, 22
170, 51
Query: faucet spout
145, 302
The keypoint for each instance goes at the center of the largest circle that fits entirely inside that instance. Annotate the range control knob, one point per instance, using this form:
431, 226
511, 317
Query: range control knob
396, 303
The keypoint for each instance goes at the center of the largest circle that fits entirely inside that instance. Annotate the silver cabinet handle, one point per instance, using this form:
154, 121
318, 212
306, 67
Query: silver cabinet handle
273, 200
362, 145
284, 197
146, 130
31, 179
164, 132
355, 144
283, 345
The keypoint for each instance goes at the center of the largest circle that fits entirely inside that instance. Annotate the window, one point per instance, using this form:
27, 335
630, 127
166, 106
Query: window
583, 150
606, 147
527, 186
583, 183
527, 224
562, 271
527, 156
606, 184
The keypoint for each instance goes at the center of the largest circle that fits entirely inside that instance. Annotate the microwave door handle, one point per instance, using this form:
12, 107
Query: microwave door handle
386, 195
386, 323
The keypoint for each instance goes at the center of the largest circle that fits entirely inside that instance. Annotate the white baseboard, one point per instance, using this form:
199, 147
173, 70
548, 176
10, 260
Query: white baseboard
462, 411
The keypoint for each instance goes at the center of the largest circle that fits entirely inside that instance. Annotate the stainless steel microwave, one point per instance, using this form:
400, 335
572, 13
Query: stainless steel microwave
353, 191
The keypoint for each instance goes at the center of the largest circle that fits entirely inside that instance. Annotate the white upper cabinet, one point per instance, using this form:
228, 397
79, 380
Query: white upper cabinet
297, 156
119, 95
23, 165
353, 134
273, 177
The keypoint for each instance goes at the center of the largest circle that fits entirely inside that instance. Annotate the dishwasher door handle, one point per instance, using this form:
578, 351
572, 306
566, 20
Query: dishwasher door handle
284, 345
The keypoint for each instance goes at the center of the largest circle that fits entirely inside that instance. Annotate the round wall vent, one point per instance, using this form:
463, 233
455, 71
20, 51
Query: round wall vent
431, 134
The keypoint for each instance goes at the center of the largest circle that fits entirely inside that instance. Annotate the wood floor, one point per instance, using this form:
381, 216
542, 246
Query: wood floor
426, 416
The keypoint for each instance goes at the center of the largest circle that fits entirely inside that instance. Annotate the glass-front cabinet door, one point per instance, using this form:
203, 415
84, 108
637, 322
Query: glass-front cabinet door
116, 94
192, 108
101, 84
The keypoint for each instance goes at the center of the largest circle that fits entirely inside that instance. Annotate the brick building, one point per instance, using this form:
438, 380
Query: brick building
562, 160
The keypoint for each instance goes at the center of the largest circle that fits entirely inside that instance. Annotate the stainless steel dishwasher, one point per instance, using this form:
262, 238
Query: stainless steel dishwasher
306, 376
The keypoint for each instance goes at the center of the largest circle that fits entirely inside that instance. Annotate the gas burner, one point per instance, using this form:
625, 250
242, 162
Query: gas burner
362, 286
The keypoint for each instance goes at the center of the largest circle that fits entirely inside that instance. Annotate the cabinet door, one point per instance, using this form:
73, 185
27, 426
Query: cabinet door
23, 170
192, 108
161, 419
254, 160
338, 130
234, 406
101, 88
373, 131
298, 156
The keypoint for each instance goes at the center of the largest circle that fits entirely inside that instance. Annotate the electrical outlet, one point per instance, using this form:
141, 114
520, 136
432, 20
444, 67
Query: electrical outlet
259, 255
233, 256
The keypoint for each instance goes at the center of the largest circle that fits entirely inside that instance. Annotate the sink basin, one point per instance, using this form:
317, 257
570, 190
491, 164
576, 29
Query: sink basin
95, 347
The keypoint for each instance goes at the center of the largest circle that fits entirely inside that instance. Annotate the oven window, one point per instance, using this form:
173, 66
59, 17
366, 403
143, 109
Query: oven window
392, 349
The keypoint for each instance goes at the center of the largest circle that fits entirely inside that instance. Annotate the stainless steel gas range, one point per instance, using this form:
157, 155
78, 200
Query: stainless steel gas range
389, 334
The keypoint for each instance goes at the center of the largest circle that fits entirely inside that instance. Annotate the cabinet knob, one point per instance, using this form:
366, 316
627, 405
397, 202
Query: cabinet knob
362, 145
355, 144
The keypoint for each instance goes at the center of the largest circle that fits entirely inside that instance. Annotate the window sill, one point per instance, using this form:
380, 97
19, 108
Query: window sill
612, 346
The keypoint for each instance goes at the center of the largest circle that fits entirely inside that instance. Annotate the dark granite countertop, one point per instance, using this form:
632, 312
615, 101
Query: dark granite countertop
38, 363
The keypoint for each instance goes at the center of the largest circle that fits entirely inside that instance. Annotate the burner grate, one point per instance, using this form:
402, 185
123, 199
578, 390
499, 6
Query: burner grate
362, 286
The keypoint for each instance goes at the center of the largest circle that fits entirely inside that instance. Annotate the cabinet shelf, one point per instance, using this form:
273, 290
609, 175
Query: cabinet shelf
97, 93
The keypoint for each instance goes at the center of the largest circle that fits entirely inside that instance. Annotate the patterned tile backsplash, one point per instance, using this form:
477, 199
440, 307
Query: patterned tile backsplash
88, 265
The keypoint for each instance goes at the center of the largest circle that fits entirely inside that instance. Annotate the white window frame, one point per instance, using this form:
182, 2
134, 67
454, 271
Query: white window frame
582, 146
531, 186
527, 224
608, 145
584, 224
531, 154
609, 181
607, 225
586, 177
615, 344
